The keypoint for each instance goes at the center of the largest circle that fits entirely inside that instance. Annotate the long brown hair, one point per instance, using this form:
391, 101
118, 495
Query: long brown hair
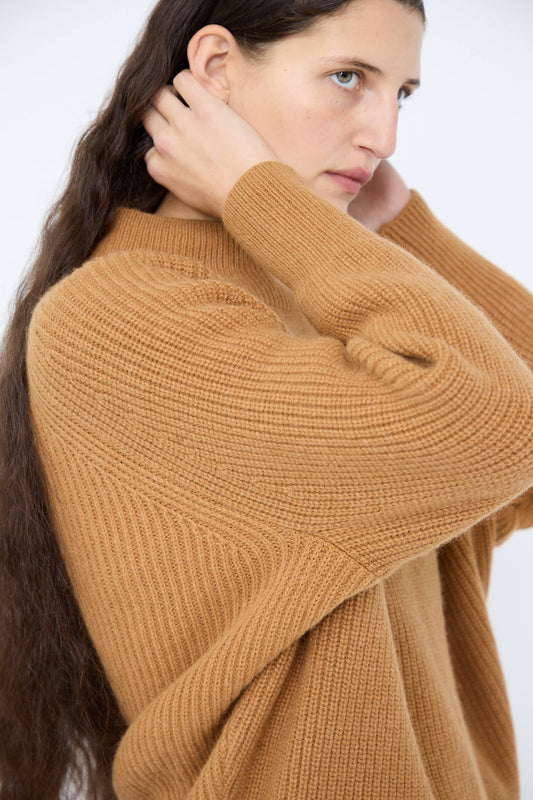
59, 721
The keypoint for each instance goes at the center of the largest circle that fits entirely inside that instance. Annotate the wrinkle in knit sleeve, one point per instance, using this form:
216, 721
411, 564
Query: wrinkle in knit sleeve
219, 485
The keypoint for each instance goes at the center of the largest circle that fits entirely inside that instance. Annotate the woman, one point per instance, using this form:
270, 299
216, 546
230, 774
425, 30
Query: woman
265, 423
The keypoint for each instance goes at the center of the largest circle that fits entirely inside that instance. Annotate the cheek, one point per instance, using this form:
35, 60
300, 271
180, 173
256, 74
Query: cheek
312, 125
302, 129
300, 126
315, 138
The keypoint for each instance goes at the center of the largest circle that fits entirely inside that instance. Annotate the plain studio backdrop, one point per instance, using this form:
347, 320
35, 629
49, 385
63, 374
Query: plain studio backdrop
465, 142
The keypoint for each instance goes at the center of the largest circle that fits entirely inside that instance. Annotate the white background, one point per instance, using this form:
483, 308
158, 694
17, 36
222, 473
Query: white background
465, 143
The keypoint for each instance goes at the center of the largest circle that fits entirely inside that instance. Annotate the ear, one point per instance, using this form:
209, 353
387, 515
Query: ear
211, 53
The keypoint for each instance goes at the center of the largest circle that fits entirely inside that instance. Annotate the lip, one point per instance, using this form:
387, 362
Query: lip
348, 185
350, 180
360, 175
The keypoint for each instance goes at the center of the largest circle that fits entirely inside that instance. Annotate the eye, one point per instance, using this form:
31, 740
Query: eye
406, 93
348, 79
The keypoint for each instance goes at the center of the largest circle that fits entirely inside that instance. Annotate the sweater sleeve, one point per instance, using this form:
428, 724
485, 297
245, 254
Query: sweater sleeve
391, 313
219, 485
506, 302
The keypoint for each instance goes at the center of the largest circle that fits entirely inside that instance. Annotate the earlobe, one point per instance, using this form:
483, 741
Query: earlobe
209, 52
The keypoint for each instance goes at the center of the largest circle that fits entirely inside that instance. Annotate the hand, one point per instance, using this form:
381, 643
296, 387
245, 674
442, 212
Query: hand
381, 199
201, 151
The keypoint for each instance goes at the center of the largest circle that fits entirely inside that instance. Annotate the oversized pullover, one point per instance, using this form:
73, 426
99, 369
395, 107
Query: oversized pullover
279, 451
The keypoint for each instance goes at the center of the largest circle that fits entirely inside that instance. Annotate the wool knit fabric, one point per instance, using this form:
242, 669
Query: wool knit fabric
279, 451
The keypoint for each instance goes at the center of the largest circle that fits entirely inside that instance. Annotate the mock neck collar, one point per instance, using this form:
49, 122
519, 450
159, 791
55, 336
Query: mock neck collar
205, 240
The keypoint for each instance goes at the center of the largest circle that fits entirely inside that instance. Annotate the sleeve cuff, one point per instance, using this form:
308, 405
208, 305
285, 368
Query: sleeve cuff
413, 219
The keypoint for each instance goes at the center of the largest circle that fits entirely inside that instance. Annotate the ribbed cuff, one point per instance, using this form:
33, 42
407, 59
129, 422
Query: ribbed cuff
414, 222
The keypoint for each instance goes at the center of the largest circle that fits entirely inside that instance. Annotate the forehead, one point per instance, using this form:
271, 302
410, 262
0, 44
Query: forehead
367, 30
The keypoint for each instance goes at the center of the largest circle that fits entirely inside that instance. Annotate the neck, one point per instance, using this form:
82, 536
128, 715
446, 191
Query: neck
172, 206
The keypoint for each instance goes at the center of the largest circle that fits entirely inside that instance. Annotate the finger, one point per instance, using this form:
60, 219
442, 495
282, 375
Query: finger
154, 122
149, 154
167, 103
190, 89
152, 160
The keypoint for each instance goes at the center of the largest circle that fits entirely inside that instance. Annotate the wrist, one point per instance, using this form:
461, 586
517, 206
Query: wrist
243, 168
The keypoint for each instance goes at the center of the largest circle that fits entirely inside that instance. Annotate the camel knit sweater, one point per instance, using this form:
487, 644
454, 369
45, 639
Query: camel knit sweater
279, 451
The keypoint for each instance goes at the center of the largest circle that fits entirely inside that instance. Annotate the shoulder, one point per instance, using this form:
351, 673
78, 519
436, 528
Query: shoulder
103, 313
131, 314
126, 285
129, 345
114, 280
102, 342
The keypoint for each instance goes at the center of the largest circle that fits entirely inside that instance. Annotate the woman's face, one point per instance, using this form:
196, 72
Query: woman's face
320, 112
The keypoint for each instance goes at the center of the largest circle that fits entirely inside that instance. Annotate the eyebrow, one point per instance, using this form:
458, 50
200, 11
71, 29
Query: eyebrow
355, 64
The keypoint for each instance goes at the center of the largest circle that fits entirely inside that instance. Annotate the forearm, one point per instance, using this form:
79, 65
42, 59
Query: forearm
507, 304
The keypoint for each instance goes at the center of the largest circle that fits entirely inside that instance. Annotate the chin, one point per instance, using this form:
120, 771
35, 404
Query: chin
342, 205
338, 202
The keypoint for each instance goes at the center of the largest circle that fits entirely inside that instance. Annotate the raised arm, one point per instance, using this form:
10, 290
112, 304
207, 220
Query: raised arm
506, 302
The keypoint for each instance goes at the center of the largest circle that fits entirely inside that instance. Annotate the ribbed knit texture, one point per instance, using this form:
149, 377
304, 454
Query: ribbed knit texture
279, 451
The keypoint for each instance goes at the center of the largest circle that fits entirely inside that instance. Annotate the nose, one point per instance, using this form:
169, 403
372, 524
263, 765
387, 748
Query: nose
377, 126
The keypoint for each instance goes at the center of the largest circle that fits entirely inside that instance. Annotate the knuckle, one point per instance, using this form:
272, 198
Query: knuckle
158, 96
153, 165
164, 144
178, 81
